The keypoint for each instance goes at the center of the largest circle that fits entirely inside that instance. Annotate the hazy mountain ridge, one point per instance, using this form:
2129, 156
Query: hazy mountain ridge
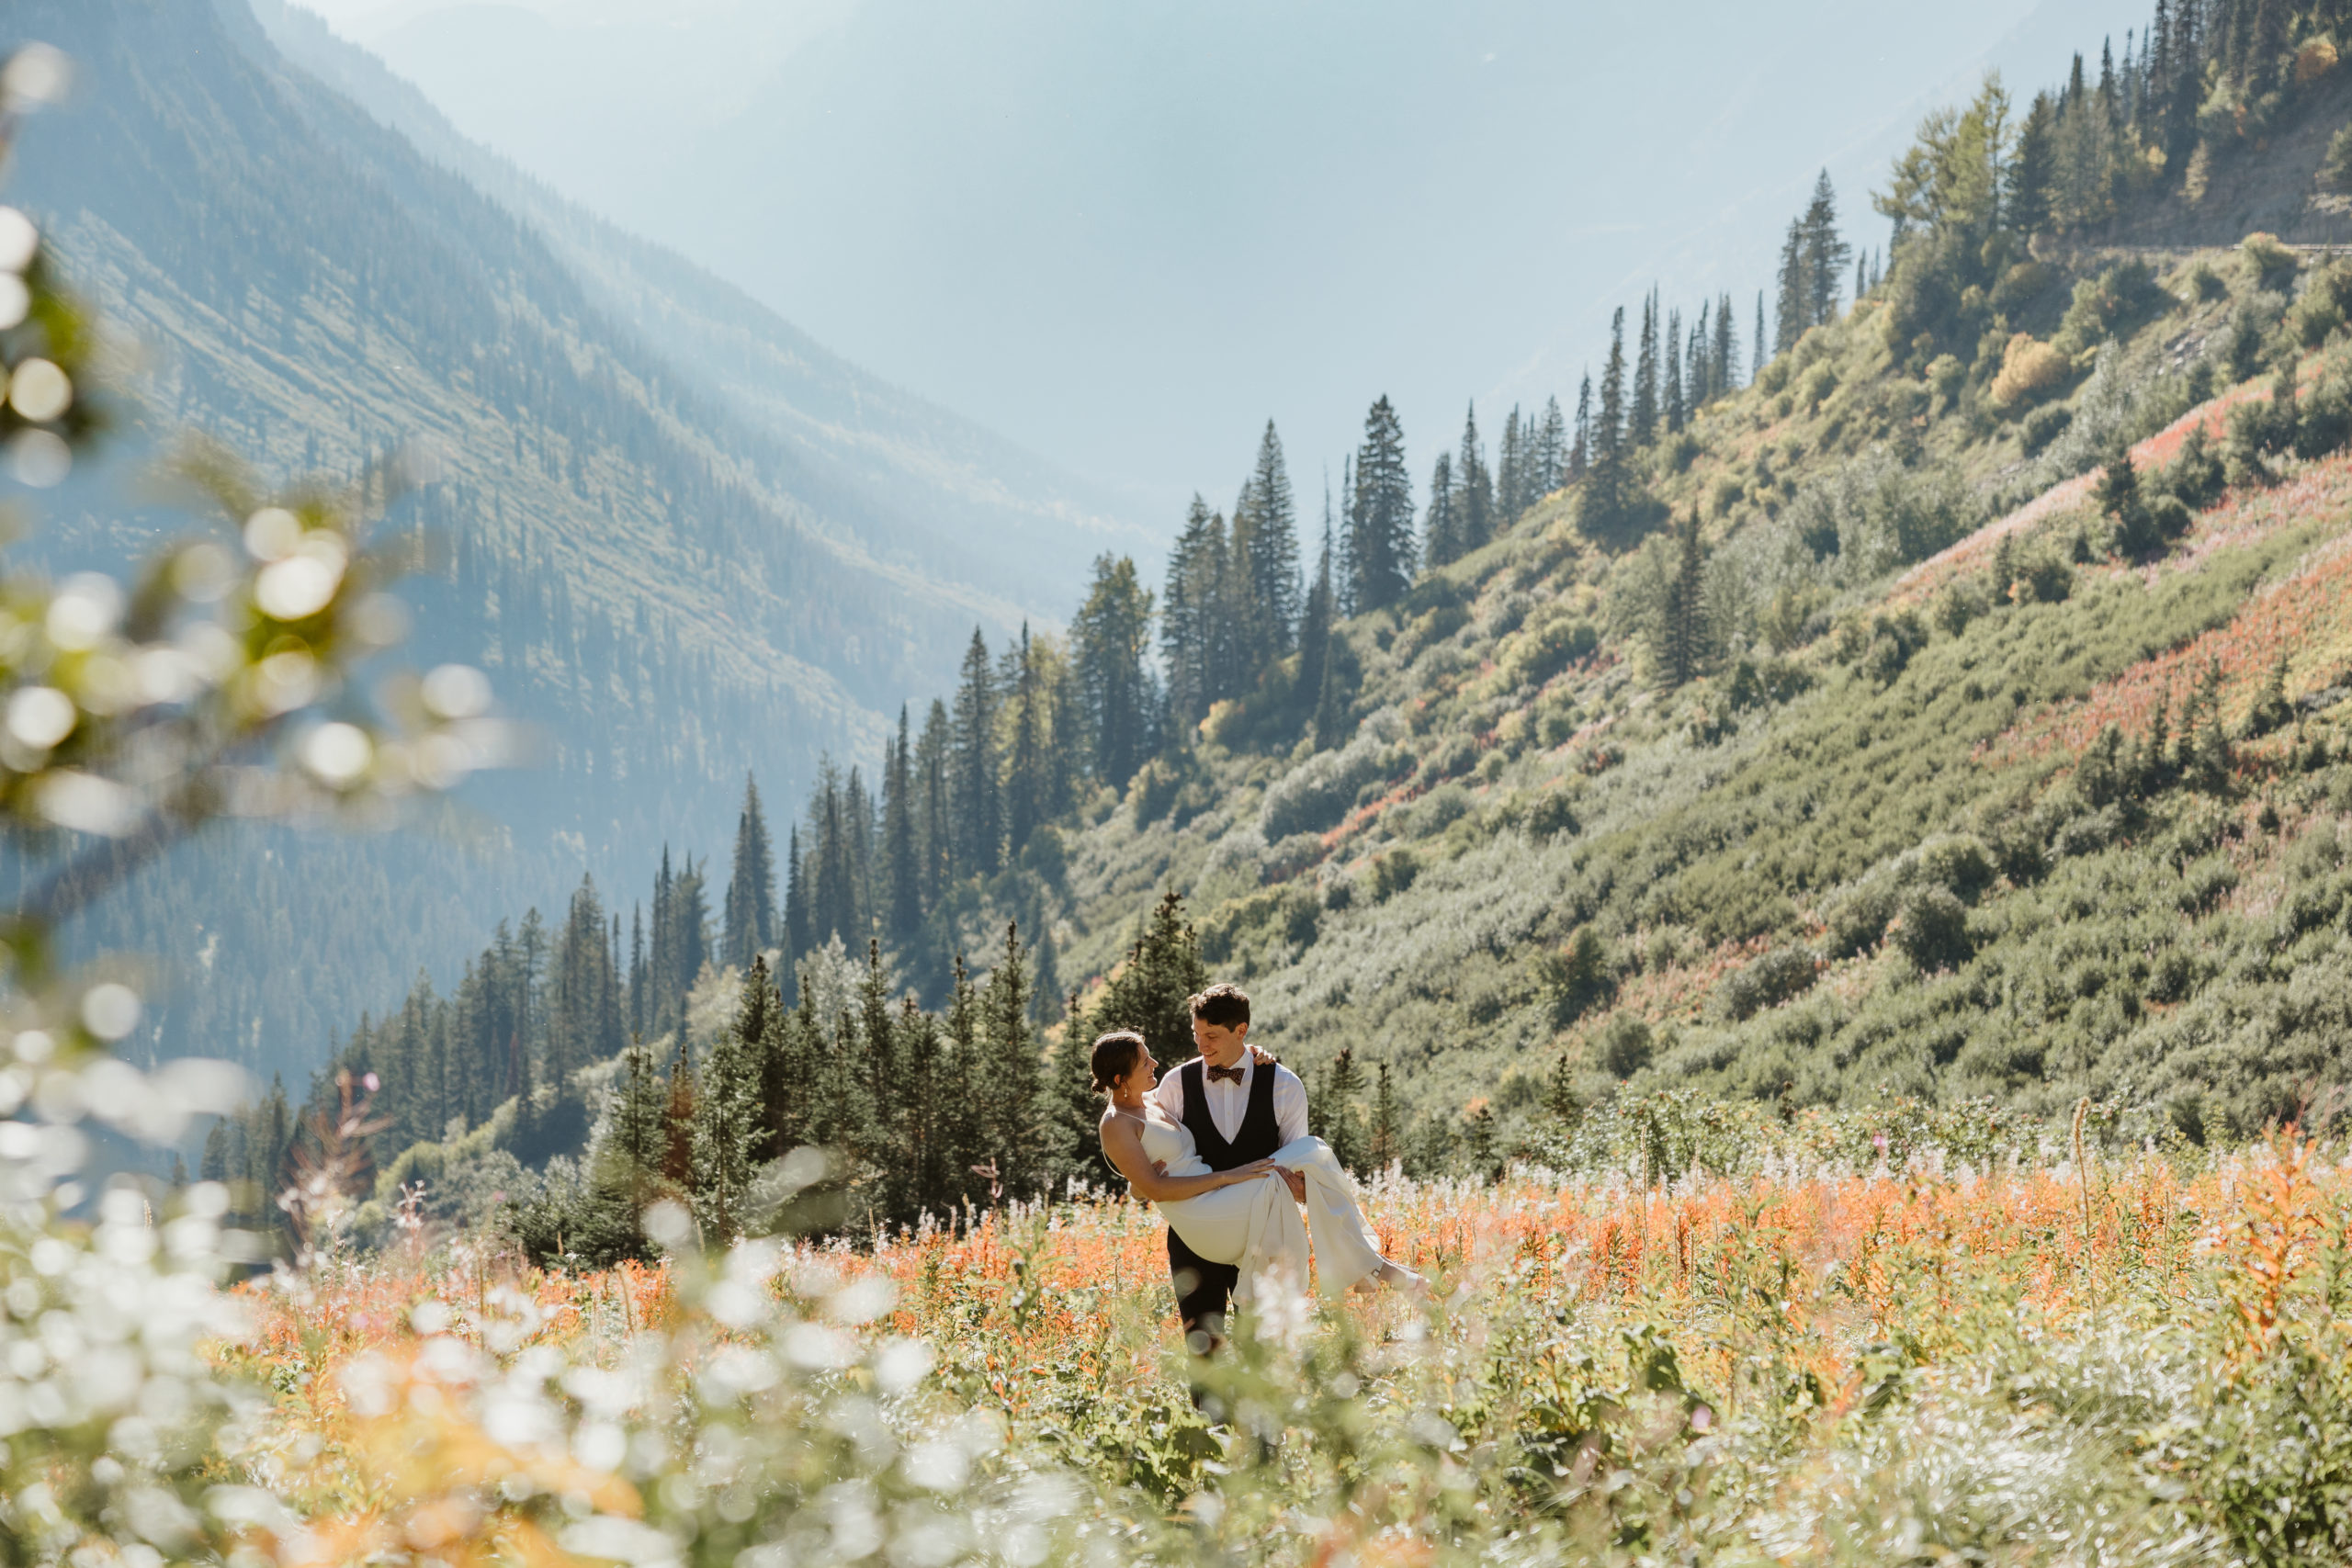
922, 485
654, 583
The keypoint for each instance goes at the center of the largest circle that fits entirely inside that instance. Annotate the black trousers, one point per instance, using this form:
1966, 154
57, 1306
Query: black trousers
1203, 1291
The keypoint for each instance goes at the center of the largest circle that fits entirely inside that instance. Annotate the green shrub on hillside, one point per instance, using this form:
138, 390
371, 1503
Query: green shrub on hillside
1320, 790
2115, 303
1766, 981
2268, 264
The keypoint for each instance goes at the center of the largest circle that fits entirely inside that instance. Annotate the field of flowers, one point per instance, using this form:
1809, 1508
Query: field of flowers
2136, 1357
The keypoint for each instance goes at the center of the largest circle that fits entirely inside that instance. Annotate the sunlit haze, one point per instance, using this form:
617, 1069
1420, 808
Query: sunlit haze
1125, 238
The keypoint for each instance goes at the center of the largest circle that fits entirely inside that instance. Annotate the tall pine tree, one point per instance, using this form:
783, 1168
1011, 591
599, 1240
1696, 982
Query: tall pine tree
1380, 513
979, 825
1641, 417
901, 859
749, 912
1113, 629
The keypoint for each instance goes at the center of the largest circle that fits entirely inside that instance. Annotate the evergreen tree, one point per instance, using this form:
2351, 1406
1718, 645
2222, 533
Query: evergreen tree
2031, 168
1438, 538
1795, 293
799, 919
1551, 450
1113, 629
1671, 396
627, 1163
1385, 1146
1314, 626
637, 986
1583, 981
966, 1115
1724, 357
979, 825
750, 913
1474, 507
1077, 1109
1045, 980
923, 1152
1607, 510
791, 1052
1028, 783
833, 865
2205, 749
1641, 419
2118, 495
888, 1089
1825, 253
1699, 374
1760, 340
1191, 611
1680, 646
1065, 726
1151, 991
1276, 591
1016, 1111
727, 1120
843, 1115
678, 1124
1336, 694
1342, 1121
901, 861
584, 1024
1380, 514
857, 826
1510, 480
934, 811
1580, 449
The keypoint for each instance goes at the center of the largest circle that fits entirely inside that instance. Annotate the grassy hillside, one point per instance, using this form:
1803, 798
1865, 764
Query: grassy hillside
1882, 848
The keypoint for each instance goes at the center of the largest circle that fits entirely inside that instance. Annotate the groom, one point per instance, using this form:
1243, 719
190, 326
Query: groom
1240, 1105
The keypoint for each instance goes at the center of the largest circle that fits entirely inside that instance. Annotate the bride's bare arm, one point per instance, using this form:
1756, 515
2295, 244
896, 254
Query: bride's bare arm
1123, 1146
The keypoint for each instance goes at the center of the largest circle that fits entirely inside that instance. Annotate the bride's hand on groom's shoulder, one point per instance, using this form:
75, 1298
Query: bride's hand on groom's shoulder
1264, 1058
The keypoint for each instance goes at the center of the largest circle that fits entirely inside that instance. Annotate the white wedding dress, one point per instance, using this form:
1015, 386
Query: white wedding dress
1254, 1225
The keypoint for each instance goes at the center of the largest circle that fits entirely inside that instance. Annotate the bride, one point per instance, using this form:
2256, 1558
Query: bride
1243, 1216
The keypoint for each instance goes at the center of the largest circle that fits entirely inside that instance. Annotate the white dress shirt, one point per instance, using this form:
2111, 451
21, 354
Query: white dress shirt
1229, 1101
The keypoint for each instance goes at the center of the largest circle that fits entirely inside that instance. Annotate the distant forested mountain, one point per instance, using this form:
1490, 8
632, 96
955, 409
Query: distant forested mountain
675, 576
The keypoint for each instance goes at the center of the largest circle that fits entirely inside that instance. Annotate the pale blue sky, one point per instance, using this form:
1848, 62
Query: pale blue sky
1127, 234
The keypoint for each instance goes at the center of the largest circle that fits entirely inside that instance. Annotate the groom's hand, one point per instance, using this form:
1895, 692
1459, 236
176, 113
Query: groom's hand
1296, 1181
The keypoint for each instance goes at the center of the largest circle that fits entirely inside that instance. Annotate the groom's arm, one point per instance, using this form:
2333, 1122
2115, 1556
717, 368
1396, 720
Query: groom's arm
1290, 1105
1290, 1118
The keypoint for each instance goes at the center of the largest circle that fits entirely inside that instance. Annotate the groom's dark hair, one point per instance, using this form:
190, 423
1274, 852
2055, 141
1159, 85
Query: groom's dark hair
1222, 1006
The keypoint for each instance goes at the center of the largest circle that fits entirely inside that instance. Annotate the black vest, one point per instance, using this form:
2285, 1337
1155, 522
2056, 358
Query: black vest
1260, 1134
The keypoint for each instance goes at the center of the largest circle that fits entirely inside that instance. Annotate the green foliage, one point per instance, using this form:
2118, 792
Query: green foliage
1625, 1046
1393, 872
2335, 168
2044, 425
2268, 265
2114, 304
1766, 981
1577, 979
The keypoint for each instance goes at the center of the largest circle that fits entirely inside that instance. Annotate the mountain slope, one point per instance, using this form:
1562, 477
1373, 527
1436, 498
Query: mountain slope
911, 483
669, 596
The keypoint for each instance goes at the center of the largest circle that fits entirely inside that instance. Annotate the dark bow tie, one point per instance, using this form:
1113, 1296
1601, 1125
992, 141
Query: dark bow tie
1232, 1073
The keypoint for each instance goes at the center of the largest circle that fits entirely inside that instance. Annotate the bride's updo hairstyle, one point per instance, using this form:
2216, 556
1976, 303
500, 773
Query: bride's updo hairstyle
1115, 1055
